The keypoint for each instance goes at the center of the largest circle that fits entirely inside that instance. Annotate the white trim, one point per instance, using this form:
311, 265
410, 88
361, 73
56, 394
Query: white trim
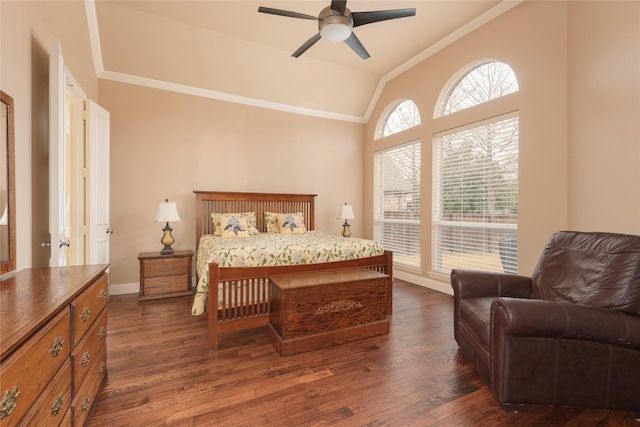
425, 282
222, 96
92, 20
124, 288
94, 35
475, 23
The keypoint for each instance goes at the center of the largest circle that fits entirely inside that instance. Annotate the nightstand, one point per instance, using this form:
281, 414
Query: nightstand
165, 276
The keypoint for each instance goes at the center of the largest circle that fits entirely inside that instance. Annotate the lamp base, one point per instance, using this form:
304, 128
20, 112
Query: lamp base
167, 240
168, 250
345, 229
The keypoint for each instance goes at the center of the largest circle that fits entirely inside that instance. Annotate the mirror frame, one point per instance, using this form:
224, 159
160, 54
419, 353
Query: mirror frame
8, 140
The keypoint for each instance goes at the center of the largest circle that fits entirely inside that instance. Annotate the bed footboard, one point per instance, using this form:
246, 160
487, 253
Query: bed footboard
242, 300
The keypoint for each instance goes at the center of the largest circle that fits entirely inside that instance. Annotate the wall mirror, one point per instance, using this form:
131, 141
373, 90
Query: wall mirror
7, 186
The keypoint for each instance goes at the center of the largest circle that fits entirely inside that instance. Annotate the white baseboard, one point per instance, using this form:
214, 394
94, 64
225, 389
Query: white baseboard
134, 287
124, 288
435, 285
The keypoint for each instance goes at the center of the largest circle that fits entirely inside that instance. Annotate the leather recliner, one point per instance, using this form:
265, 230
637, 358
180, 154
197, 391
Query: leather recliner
569, 335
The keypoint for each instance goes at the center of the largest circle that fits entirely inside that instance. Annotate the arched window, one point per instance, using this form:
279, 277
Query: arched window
404, 115
396, 194
475, 185
480, 84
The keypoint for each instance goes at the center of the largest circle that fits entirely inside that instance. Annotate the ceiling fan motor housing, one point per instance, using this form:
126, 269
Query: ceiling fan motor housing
333, 26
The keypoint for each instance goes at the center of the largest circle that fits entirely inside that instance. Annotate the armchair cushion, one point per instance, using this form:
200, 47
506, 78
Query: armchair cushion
594, 269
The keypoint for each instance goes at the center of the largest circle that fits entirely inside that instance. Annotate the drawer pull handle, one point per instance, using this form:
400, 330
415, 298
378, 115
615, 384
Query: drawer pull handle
85, 359
85, 314
57, 405
165, 285
56, 347
102, 295
102, 368
9, 402
167, 267
85, 404
102, 333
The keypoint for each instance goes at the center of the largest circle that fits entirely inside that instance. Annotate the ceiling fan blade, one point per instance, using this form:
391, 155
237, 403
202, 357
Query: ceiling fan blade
354, 43
302, 49
286, 13
339, 6
363, 18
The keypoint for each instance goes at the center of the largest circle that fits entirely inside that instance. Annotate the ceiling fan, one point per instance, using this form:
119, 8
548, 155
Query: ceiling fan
336, 23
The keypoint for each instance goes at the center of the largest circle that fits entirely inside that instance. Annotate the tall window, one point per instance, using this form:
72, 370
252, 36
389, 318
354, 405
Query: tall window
396, 213
403, 116
475, 179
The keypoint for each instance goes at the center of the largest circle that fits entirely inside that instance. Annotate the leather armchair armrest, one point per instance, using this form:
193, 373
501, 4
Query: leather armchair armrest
561, 320
477, 284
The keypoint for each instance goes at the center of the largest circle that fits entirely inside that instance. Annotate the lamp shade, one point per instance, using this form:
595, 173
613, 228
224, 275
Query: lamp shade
345, 212
167, 212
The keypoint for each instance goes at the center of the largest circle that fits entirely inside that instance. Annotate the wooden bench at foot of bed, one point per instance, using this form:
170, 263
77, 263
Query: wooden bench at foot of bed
313, 310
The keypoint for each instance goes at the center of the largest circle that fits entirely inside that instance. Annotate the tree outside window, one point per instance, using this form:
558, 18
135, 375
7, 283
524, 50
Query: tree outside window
475, 184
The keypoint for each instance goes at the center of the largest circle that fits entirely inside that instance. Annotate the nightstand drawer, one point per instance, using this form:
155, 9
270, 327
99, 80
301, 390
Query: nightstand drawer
165, 285
166, 267
164, 276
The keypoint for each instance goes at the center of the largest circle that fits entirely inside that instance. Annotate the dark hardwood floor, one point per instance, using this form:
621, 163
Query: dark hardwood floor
160, 372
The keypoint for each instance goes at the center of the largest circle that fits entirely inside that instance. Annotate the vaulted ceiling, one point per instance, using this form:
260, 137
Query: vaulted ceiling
227, 50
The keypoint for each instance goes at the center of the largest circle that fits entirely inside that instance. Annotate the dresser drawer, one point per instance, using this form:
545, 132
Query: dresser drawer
166, 267
88, 392
28, 371
53, 403
91, 346
165, 285
87, 307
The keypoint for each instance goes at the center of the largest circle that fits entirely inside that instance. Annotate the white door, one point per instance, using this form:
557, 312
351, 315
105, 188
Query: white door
97, 149
57, 182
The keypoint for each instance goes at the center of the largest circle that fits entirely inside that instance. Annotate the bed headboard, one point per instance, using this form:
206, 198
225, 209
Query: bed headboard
208, 202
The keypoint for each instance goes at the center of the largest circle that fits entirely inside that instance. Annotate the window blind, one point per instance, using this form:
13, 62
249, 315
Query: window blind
396, 213
475, 197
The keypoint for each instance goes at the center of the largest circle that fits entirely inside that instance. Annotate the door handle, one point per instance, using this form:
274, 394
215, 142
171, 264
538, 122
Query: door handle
45, 244
109, 230
67, 243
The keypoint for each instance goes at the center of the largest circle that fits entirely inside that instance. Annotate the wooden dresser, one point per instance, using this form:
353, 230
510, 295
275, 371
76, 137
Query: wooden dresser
53, 351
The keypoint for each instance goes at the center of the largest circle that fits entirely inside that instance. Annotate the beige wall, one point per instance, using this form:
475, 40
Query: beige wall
577, 66
604, 116
165, 145
26, 31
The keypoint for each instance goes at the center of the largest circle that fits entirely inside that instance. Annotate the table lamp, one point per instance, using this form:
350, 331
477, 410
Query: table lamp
345, 212
167, 212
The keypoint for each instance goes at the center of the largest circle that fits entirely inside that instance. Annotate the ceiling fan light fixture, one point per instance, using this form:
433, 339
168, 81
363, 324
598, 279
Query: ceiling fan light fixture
335, 32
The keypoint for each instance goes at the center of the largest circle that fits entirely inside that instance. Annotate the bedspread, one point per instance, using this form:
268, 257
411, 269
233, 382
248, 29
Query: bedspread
268, 249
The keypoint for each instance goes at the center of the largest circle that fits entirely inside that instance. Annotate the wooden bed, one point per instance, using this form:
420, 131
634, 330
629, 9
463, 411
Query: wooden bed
251, 284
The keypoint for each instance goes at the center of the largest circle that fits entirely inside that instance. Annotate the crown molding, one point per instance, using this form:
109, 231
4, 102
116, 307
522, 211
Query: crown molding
223, 96
94, 34
470, 26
